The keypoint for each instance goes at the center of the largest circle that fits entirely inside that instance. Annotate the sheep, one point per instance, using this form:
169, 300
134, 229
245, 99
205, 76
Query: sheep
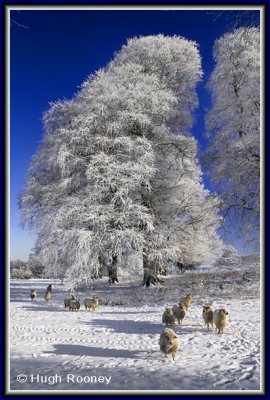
96, 300
49, 288
47, 296
67, 300
91, 303
179, 312
74, 304
220, 318
33, 294
168, 317
186, 300
207, 315
168, 342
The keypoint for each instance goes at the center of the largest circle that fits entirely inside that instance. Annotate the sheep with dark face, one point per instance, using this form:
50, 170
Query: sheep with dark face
168, 317
33, 294
207, 315
74, 305
179, 312
67, 300
220, 318
168, 342
49, 288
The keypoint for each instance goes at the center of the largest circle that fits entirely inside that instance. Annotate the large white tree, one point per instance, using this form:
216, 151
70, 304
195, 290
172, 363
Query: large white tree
79, 190
233, 124
117, 171
185, 213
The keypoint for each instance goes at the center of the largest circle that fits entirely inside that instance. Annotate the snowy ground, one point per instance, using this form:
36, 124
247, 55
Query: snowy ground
119, 342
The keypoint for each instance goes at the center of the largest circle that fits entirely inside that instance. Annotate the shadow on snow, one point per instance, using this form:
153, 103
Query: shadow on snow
78, 350
128, 326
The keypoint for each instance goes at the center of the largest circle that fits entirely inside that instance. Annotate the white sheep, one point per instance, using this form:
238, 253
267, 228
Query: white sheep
186, 300
168, 317
207, 315
168, 342
179, 312
220, 318
47, 296
96, 298
74, 305
33, 294
91, 303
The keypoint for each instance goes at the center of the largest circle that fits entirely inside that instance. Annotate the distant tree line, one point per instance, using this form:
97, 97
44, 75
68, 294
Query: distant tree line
21, 269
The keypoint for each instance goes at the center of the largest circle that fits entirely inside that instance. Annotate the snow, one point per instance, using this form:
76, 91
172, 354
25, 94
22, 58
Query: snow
119, 342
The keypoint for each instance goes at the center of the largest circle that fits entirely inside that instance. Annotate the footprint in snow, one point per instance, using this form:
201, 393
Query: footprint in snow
246, 376
223, 382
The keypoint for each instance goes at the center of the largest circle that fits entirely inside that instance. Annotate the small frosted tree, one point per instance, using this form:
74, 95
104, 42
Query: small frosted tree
233, 124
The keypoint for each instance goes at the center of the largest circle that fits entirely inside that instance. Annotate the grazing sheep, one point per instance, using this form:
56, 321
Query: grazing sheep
47, 296
220, 318
168, 342
92, 303
74, 304
207, 315
168, 317
186, 300
33, 294
179, 312
67, 300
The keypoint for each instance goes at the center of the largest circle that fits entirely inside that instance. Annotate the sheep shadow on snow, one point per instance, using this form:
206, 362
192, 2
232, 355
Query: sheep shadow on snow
78, 350
128, 312
188, 328
128, 326
46, 307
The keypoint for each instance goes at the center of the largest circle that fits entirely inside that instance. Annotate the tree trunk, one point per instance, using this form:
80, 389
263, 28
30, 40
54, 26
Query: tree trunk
113, 271
150, 273
98, 274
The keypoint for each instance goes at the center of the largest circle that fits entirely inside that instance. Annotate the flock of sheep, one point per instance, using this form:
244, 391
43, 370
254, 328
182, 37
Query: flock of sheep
47, 295
168, 340
72, 303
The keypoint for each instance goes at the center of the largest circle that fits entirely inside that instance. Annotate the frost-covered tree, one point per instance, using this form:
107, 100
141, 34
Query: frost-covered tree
35, 266
83, 209
19, 269
117, 170
182, 208
233, 124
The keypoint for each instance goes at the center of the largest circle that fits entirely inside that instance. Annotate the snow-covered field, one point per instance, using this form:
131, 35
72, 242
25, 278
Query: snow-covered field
116, 347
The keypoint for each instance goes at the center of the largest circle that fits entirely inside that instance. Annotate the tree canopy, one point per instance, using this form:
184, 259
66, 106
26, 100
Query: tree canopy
117, 170
233, 123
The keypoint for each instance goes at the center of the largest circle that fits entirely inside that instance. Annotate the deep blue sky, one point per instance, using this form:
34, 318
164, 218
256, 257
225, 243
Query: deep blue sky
53, 52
